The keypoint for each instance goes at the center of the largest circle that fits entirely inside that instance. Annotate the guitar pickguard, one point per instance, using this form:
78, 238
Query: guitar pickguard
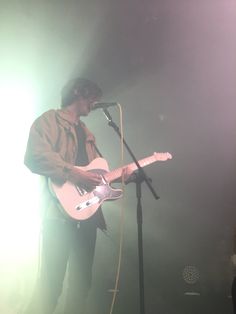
100, 194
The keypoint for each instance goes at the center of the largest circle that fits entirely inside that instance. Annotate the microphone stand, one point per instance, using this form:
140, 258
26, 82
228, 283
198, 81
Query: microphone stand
140, 176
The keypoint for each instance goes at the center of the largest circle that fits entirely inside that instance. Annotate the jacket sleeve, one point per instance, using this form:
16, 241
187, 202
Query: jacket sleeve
41, 156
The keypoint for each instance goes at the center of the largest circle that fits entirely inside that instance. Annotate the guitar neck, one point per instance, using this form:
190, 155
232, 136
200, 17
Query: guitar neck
117, 173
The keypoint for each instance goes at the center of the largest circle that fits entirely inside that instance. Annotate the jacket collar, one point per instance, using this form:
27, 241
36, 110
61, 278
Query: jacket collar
65, 116
68, 123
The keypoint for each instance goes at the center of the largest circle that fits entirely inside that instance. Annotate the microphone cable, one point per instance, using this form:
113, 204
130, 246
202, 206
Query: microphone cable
122, 216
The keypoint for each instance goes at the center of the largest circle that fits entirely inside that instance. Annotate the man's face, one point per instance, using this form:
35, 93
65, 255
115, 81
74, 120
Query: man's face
84, 105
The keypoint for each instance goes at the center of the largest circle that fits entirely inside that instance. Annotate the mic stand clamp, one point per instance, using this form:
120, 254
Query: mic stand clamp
136, 177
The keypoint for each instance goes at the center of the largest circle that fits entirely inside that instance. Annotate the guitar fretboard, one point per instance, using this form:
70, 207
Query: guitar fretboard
117, 173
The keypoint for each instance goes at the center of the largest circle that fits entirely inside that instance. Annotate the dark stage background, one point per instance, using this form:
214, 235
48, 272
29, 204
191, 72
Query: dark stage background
171, 64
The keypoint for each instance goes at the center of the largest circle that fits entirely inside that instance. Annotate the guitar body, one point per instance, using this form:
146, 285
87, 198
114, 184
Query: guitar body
80, 204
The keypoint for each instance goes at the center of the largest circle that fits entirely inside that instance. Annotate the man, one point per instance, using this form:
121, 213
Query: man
59, 141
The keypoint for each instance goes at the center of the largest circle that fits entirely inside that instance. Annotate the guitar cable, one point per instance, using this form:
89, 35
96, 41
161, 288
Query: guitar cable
115, 290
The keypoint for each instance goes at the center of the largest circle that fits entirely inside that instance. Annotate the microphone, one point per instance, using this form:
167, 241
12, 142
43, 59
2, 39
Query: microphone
103, 105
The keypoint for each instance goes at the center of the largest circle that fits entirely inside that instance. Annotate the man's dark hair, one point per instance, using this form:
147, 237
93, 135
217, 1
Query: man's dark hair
79, 87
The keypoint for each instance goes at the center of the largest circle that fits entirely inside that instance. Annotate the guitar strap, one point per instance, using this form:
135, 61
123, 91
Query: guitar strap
97, 150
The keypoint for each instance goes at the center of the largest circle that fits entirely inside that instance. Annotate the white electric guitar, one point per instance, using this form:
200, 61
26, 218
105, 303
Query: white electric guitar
80, 204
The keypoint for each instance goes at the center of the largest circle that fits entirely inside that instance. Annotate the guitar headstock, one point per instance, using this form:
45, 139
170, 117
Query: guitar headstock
162, 156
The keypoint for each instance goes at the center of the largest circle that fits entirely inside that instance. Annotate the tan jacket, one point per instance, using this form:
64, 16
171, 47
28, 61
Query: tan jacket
51, 152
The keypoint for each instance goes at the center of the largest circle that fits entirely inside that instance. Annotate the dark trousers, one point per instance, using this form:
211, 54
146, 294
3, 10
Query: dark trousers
64, 244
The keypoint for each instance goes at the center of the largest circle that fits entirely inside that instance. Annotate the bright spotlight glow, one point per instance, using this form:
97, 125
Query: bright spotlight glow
19, 213
19, 104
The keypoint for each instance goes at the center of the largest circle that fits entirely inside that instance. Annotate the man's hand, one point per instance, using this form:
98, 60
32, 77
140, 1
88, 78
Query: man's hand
85, 179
